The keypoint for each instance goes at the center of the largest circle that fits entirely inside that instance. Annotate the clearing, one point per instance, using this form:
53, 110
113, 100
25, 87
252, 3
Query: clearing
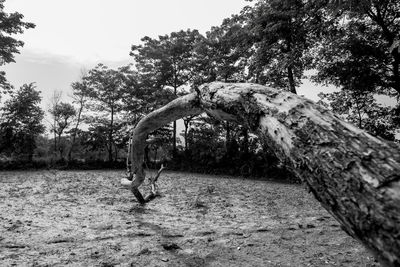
85, 218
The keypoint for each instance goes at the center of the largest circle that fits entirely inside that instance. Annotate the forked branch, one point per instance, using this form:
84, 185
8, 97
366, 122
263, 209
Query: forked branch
184, 106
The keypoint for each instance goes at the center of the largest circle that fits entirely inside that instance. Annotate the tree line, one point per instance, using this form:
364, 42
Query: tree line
352, 44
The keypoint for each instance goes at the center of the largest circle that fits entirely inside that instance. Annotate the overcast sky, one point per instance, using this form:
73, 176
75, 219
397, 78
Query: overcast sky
71, 35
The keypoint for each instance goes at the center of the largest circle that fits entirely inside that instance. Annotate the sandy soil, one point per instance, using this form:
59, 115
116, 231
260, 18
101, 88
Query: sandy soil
58, 218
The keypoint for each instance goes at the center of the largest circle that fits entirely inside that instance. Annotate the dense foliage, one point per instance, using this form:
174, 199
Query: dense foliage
354, 45
20, 123
10, 24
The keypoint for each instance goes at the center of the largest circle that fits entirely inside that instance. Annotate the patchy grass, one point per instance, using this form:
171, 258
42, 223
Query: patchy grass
88, 219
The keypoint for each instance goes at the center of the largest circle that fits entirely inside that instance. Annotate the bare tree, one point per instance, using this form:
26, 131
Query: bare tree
79, 97
54, 102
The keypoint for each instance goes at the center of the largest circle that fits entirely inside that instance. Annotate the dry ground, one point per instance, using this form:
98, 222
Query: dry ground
87, 219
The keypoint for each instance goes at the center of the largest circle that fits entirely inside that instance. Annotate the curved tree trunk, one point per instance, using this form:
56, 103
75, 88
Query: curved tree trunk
354, 175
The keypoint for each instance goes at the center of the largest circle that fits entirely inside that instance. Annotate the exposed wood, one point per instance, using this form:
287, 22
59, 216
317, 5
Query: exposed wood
354, 175
187, 105
155, 179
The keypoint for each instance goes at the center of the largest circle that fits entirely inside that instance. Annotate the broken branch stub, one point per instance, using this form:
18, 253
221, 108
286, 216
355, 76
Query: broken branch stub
354, 175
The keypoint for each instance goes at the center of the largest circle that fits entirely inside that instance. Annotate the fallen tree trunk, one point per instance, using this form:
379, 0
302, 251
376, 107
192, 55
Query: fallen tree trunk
354, 175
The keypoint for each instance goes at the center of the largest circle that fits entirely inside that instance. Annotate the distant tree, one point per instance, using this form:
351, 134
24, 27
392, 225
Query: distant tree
21, 122
55, 100
140, 96
361, 109
281, 32
205, 141
222, 55
43, 146
80, 94
361, 51
167, 62
187, 122
159, 140
105, 89
95, 139
10, 23
62, 113
360, 54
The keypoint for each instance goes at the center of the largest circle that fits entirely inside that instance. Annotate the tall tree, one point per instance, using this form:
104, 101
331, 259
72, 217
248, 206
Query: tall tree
63, 114
21, 122
282, 32
222, 55
360, 54
54, 102
80, 94
361, 109
362, 51
105, 90
10, 23
167, 62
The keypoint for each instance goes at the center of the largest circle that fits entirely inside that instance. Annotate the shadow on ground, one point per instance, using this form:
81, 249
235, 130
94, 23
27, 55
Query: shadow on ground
87, 219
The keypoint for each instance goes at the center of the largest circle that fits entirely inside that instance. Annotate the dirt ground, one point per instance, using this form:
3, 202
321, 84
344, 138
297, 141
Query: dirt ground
85, 218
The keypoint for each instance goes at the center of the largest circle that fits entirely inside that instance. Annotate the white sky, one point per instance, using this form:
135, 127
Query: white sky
95, 30
71, 35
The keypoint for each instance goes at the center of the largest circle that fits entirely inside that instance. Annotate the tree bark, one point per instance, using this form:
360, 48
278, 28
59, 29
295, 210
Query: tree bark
354, 175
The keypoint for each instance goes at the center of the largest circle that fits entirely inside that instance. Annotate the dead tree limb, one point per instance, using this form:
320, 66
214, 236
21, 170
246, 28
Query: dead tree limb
187, 105
354, 175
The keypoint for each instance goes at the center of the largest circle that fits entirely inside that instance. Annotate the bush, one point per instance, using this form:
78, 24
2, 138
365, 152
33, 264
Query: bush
12, 164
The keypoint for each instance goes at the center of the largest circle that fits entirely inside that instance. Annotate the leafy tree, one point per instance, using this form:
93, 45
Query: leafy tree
105, 90
54, 101
361, 109
62, 113
187, 122
80, 94
205, 142
281, 32
95, 139
222, 55
159, 140
141, 97
10, 23
362, 51
167, 62
21, 122
360, 54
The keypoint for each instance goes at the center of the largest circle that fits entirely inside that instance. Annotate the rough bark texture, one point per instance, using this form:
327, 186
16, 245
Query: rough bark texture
187, 105
354, 175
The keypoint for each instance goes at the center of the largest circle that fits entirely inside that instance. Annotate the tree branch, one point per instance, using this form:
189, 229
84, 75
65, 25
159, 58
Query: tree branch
349, 171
